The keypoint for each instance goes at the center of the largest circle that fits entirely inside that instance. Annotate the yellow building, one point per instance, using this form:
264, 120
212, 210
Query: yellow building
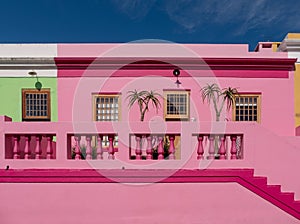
275, 46
291, 45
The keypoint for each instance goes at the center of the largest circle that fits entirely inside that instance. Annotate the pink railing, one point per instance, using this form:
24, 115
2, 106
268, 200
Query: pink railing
30, 146
220, 146
152, 147
92, 146
65, 144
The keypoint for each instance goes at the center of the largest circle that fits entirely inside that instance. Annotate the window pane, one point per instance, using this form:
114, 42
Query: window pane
177, 104
35, 105
110, 106
246, 108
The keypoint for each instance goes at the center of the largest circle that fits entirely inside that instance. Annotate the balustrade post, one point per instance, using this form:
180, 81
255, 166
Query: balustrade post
211, 150
138, 150
222, 150
200, 150
88, 147
77, 147
38, 149
143, 146
233, 150
239, 147
172, 147
27, 147
99, 148
149, 147
160, 149
16, 149
111, 150
49, 147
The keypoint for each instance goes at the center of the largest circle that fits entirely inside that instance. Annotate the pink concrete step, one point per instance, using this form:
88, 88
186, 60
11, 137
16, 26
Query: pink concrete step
260, 181
297, 205
287, 198
272, 193
275, 189
288, 195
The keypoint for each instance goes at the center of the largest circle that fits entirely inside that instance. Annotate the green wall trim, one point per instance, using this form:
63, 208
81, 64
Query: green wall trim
11, 95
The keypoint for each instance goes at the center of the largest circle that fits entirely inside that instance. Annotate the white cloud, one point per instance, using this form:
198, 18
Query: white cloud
245, 15
134, 8
241, 16
191, 14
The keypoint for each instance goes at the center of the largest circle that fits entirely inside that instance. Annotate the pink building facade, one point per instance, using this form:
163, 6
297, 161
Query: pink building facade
99, 162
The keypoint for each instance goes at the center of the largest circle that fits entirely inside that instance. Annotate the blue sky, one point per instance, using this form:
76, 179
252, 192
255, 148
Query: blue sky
181, 21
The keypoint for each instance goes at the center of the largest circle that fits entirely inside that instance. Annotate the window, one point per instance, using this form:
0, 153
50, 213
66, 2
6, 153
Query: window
176, 105
36, 105
106, 107
247, 108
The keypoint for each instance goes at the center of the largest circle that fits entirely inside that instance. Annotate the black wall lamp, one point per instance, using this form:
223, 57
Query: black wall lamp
176, 73
38, 85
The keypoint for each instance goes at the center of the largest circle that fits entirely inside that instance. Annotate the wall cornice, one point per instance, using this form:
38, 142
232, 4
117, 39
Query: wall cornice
171, 63
27, 63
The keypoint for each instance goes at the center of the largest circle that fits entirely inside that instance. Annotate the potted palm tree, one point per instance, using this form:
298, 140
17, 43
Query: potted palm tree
143, 98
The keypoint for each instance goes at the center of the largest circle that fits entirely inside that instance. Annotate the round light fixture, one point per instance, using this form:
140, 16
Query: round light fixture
38, 85
32, 73
176, 72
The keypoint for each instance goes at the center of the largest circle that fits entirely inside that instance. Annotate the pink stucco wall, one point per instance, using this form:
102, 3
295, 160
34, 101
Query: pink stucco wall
75, 101
75, 85
120, 203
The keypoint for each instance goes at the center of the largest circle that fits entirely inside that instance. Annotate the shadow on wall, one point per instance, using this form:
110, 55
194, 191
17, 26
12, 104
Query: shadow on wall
297, 131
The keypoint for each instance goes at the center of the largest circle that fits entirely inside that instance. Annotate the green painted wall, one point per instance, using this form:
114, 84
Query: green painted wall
11, 95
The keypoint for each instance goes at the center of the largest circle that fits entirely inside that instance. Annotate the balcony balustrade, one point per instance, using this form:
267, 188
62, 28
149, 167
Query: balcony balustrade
92, 146
30, 146
154, 147
220, 146
121, 144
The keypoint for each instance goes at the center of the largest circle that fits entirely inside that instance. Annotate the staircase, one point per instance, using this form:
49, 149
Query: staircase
272, 193
244, 177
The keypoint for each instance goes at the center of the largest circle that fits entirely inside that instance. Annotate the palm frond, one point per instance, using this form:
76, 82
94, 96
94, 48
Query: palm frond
153, 97
209, 92
229, 96
135, 96
143, 98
